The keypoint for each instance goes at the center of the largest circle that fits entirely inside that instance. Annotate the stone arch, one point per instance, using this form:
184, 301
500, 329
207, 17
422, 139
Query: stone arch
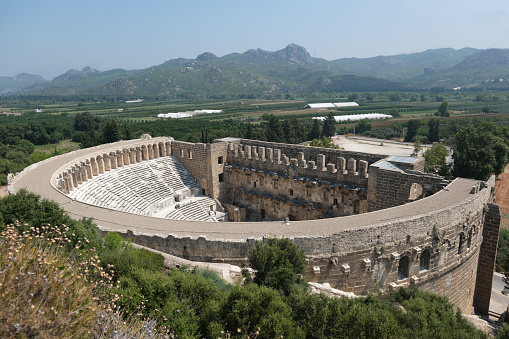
424, 260
404, 267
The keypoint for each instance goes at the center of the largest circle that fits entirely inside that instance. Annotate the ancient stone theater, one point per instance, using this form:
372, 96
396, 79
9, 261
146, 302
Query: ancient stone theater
367, 222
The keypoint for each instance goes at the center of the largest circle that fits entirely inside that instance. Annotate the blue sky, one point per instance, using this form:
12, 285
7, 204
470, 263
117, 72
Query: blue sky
52, 36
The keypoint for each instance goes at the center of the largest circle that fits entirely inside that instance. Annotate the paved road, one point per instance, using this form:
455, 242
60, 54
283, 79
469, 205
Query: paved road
498, 301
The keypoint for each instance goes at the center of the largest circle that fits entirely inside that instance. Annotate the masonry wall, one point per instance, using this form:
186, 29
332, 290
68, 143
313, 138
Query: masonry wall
366, 259
311, 153
275, 196
487, 258
389, 188
205, 162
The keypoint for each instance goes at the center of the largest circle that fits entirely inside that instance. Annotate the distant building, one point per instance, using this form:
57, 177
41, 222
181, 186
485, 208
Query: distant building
133, 101
358, 117
39, 110
332, 105
207, 111
174, 115
120, 110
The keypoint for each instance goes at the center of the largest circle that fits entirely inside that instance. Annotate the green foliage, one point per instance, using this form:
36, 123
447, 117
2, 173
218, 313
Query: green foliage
315, 132
503, 250
329, 125
323, 142
435, 158
274, 130
30, 208
251, 307
443, 109
412, 127
481, 151
434, 128
110, 132
279, 263
363, 126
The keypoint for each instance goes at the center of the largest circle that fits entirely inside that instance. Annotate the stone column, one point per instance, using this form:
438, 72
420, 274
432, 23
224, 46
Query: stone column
93, 165
100, 164
139, 156
113, 160
132, 155
169, 149
144, 152
150, 152
277, 156
162, 149
341, 165
89, 169
107, 162
261, 153
351, 166
320, 162
247, 150
125, 156
77, 173
363, 168
155, 147
270, 154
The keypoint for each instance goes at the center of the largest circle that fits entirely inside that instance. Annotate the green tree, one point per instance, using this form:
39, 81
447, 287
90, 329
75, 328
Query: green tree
110, 132
443, 109
434, 128
329, 125
353, 96
363, 126
479, 152
394, 113
274, 130
394, 97
435, 158
279, 264
412, 127
315, 130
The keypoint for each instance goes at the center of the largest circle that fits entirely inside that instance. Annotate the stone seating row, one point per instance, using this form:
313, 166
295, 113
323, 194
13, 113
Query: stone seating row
138, 188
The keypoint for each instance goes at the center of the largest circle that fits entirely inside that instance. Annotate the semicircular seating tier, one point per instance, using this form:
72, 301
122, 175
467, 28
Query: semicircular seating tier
159, 187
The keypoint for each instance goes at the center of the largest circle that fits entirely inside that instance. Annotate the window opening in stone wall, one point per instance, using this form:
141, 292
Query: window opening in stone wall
308, 191
262, 212
469, 240
424, 260
221, 177
415, 191
325, 197
335, 201
275, 184
203, 191
181, 152
254, 184
461, 240
403, 267
190, 154
220, 160
291, 192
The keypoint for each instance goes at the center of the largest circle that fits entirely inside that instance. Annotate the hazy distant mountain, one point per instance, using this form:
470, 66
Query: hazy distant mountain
260, 73
20, 81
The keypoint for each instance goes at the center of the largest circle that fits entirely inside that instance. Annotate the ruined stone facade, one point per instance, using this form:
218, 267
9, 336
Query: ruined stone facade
421, 230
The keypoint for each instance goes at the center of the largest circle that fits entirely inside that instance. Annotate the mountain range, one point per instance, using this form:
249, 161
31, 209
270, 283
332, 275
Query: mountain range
291, 70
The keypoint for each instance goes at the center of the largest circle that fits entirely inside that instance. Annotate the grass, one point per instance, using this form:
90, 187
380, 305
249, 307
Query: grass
63, 146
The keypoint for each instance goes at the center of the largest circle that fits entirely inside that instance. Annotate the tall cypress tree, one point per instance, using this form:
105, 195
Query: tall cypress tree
329, 125
315, 131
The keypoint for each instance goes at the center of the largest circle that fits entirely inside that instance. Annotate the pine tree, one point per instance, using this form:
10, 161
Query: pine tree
315, 130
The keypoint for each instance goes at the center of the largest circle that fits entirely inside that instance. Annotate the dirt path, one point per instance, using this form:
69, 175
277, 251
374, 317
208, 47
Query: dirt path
502, 193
